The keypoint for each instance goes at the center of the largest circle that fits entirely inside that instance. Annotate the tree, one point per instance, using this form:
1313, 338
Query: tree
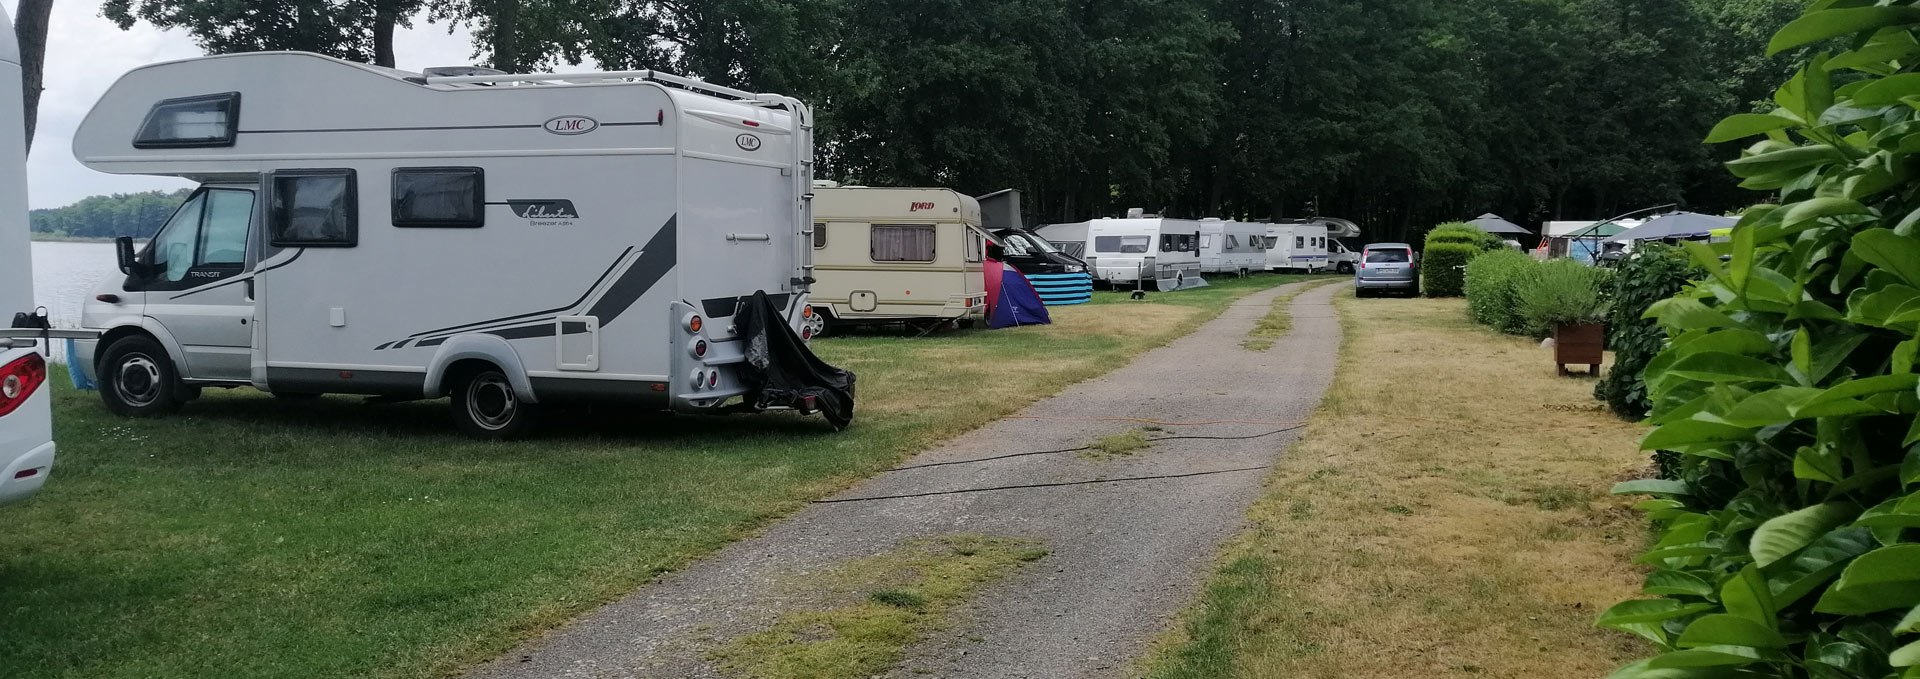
30, 30
356, 30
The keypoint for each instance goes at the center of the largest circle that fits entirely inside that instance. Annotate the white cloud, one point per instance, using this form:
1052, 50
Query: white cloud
86, 53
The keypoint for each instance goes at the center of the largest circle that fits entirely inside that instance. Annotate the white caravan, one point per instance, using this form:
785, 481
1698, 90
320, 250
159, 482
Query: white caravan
885, 255
1297, 246
26, 411
507, 240
1232, 247
1135, 251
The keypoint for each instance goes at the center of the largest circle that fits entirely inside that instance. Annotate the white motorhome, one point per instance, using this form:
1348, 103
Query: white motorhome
883, 255
1232, 247
506, 240
1137, 250
1297, 246
26, 411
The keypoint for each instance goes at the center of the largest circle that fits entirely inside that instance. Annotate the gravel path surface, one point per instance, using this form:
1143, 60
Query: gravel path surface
1126, 555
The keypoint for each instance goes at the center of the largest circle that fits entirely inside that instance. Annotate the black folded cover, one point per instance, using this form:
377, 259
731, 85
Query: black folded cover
782, 371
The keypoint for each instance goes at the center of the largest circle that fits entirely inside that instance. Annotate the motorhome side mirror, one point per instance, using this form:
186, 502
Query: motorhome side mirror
123, 248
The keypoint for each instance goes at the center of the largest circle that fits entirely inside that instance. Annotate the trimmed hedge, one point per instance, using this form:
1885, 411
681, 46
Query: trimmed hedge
1490, 288
1449, 248
1652, 273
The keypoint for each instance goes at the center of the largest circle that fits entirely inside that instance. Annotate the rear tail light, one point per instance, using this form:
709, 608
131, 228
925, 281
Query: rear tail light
19, 379
806, 334
699, 348
694, 323
806, 311
700, 379
713, 379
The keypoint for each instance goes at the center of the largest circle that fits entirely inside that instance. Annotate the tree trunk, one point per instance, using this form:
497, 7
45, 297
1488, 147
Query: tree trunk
31, 31
506, 23
383, 21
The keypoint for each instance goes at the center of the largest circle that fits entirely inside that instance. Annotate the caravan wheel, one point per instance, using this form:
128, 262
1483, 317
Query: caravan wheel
485, 406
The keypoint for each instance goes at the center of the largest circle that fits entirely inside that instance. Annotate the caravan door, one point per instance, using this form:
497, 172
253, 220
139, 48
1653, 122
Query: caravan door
191, 277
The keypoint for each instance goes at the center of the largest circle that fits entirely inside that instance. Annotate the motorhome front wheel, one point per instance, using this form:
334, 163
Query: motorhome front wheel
138, 380
485, 405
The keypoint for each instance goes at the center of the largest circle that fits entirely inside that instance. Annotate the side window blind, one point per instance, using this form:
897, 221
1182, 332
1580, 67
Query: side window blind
313, 208
443, 197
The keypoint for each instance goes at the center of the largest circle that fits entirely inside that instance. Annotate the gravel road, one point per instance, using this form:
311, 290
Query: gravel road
1126, 555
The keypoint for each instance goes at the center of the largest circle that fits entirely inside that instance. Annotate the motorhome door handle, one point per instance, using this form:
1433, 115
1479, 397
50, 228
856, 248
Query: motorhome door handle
749, 236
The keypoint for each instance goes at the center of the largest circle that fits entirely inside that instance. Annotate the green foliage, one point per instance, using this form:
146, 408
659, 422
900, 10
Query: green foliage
1490, 289
121, 214
1652, 273
1786, 545
1560, 291
1443, 260
1443, 268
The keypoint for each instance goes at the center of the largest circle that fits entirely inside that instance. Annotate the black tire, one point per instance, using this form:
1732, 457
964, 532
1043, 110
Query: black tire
1344, 267
138, 380
486, 407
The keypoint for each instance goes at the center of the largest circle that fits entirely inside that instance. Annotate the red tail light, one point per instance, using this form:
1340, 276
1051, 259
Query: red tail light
19, 379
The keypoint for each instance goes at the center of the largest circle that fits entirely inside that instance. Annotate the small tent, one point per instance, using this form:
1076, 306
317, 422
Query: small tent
1011, 299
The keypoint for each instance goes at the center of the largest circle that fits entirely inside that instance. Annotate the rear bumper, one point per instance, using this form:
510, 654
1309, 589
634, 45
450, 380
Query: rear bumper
1385, 283
39, 461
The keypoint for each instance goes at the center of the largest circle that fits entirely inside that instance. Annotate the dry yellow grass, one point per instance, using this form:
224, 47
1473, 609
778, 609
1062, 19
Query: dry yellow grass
1444, 515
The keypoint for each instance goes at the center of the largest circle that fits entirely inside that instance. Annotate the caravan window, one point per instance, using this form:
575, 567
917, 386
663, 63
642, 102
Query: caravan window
206, 121
1273, 242
1206, 241
1126, 245
313, 208
903, 242
976, 246
819, 236
445, 197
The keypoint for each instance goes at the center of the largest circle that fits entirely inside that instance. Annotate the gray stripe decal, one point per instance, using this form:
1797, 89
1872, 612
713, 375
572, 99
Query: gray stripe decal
655, 260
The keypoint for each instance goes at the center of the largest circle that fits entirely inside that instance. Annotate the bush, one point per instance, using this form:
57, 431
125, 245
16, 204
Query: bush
1448, 249
1652, 273
1560, 291
1441, 268
1490, 288
1787, 548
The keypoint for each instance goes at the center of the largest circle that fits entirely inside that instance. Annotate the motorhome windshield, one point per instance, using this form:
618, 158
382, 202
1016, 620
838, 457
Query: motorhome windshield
1126, 245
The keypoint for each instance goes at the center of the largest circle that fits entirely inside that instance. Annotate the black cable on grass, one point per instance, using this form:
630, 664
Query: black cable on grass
1081, 448
1039, 485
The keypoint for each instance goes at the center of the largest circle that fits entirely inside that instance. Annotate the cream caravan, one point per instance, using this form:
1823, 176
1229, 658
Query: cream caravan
506, 240
883, 255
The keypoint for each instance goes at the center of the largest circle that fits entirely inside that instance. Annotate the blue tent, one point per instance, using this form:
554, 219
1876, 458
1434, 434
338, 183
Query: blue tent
1018, 303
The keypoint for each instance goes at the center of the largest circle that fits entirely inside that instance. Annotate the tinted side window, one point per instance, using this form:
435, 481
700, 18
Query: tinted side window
445, 197
206, 121
313, 208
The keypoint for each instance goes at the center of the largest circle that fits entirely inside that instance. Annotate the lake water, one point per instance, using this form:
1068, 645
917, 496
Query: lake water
66, 274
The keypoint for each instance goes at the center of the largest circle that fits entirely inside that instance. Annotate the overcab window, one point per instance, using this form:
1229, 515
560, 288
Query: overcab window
313, 208
442, 197
206, 121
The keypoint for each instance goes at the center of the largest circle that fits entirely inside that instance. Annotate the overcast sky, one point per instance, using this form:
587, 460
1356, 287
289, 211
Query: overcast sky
86, 53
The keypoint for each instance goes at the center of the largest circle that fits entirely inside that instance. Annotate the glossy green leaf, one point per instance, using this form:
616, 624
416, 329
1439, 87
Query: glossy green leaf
1747, 595
1743, 125
1783, 535
1670, 583
1888, 90
1879, 580
1651, 487
1729, 630
1894, 253
1832, 23
1714, 366
1688, 434
1909, 623
1905, 656
1648, 610
1708, 656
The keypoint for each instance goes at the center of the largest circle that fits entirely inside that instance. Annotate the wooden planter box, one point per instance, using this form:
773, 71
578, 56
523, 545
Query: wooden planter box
1579, 344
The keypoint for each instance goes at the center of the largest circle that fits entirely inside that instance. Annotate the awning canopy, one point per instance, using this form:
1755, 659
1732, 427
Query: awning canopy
1492, 223
1676, 225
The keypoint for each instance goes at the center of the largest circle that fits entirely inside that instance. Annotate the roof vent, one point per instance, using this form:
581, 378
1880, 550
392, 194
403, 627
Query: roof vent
458, 71
1136, 212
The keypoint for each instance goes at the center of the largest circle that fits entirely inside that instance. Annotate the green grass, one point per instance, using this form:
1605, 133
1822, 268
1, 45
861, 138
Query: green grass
886, 602
1278, 321
249, 538
1117, 445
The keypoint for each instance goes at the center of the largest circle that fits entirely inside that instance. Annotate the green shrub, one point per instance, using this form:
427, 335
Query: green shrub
1652, 273
1442, 268
1787, 548
1490, 286
1466, 234
1560, 291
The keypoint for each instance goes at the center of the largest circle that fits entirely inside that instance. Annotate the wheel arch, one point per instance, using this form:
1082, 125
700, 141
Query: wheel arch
149, 328
461, 350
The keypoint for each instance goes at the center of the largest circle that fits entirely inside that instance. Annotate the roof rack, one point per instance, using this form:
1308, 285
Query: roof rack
652, 75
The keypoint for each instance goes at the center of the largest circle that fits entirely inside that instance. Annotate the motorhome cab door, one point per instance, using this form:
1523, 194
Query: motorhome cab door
189, 279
